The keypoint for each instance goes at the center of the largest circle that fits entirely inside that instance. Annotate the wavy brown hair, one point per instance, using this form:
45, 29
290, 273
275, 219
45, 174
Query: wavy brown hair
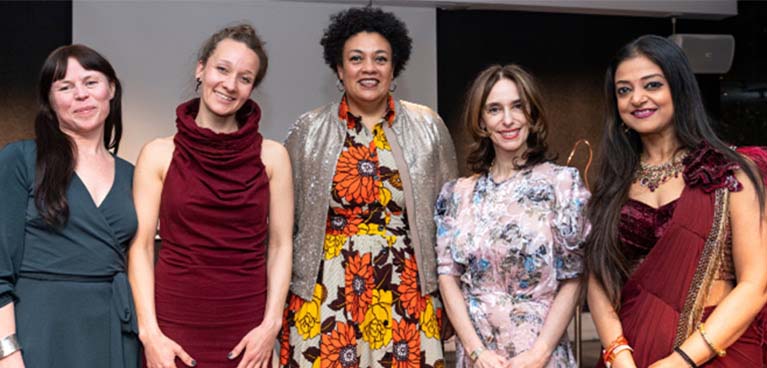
482, 151
55, 162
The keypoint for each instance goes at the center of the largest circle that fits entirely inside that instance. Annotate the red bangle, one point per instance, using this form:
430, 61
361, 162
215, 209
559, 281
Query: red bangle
607, 355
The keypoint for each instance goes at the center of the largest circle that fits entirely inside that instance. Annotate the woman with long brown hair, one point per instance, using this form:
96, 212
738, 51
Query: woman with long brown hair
509, 237
679, 242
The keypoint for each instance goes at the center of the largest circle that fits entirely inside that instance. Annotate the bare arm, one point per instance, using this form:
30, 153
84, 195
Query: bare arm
148, 177
737, 310
457, 311
606, 321
258, 343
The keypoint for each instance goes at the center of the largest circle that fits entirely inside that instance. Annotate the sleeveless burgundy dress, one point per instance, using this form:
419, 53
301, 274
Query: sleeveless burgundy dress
210, 279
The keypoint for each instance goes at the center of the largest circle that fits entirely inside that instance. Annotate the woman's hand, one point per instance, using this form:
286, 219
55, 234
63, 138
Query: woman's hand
12, 361
161, 352
257, 346
489, 359
532, 358
624, 359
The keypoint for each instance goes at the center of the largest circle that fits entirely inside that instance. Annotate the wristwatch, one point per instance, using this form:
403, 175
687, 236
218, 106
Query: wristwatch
475, 354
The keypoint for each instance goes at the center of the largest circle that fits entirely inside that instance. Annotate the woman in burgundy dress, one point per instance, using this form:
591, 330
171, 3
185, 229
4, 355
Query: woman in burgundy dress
678, 246
208, 299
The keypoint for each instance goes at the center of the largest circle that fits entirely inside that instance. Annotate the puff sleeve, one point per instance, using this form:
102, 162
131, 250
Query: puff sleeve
570, 226
444, 217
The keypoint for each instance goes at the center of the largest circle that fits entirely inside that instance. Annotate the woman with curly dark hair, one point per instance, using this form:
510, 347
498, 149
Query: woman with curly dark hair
510, 236
367, 170
678, 247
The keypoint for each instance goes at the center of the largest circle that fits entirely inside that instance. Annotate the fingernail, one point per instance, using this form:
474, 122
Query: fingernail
230, 356
194, 363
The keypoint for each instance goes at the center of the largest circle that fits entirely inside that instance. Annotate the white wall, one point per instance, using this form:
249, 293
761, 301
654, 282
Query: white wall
152, 45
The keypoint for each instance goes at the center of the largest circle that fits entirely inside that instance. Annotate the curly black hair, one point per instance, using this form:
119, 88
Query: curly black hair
348, 23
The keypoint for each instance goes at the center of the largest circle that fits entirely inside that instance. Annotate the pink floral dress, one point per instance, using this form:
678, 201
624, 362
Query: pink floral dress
511, 244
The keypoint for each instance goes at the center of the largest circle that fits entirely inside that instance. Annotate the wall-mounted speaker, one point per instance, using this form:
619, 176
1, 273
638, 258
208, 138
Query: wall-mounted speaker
708, 53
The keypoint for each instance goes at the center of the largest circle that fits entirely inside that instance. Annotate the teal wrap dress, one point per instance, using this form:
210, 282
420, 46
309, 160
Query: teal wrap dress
73, 303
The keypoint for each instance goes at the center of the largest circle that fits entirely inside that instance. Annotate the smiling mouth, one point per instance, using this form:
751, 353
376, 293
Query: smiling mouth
643, 113
224, 96
85, 110
369, 83
509, 134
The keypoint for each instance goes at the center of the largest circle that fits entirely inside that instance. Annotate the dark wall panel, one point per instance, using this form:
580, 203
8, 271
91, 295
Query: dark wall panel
567, 53
31, 30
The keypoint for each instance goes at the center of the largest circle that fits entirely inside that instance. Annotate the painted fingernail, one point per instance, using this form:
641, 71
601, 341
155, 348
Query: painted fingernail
230, 356
194, 363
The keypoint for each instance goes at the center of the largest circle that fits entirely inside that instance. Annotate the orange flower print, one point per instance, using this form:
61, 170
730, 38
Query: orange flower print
356, 177
410, 297
406, 345
359, 286
285, 340
339, 348
343, 221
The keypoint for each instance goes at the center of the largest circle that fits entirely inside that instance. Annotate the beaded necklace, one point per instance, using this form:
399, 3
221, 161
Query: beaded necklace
653, 176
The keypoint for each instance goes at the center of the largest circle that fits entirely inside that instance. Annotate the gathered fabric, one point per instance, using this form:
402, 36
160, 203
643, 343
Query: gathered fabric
210, 278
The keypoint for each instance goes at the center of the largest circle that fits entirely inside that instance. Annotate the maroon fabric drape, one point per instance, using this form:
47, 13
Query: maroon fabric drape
210, 279
653, 298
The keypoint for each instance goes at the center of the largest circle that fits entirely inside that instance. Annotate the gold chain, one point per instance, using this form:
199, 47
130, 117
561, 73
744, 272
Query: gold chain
653, 176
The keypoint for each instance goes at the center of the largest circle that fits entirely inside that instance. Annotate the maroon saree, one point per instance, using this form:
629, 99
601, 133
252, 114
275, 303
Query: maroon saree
663, 301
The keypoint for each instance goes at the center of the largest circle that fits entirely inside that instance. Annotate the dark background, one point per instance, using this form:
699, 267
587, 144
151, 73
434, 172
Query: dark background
31, 30
568, 54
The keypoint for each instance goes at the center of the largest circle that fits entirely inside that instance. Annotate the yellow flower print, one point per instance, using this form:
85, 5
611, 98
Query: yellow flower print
380, 138
308, 317
316, 363
391, 239
333, 245
428, 321
376, 328
371, 229
384, 195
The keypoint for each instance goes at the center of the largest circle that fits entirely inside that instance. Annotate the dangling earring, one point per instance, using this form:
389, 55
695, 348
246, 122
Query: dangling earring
393, 86
625, 128
340, 85
197, 86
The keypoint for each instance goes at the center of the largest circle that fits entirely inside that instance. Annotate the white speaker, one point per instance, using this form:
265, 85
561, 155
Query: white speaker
708, 53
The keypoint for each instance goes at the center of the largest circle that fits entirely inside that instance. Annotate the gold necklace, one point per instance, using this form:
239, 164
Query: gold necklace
653, 176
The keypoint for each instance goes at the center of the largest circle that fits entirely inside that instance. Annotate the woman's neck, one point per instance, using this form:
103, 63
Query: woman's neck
659, 149
370, 112
219, 124
504, 167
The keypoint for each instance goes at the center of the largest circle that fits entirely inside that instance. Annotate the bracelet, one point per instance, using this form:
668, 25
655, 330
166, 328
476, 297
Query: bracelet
9, 345
720, 352
686, 357
607, 354
614, 354
475, 354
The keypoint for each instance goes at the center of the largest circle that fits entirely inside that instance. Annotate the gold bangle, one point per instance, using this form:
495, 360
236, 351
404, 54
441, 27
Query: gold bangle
719, 352
475, 354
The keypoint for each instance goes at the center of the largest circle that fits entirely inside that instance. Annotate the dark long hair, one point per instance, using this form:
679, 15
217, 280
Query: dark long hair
619, 155
55, 162
482, 151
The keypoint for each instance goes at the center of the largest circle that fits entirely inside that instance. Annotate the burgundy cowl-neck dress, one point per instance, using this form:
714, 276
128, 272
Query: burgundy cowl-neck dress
210, 279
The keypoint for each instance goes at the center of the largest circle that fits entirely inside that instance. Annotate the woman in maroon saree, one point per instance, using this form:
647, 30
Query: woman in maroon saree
678, 247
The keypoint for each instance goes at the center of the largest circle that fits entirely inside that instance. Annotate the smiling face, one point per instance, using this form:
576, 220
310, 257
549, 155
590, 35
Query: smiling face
503, 116
643, 97
226, 80
81, 100
366, 70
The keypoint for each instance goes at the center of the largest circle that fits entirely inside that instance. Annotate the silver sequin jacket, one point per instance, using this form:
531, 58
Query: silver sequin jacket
420, 142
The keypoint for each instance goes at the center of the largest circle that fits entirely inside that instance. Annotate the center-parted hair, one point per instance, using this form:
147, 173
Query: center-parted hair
482, 151
55, 162
244, 33
620, 151
347, 23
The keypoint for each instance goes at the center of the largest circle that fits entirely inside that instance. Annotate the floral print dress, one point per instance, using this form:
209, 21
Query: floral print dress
511, 244
367, 310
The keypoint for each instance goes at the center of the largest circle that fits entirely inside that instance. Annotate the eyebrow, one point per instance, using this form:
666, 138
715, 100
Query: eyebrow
643, 78
362, 52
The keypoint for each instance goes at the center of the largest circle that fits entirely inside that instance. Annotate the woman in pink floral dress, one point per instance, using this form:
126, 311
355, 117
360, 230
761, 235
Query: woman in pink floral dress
509, 237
